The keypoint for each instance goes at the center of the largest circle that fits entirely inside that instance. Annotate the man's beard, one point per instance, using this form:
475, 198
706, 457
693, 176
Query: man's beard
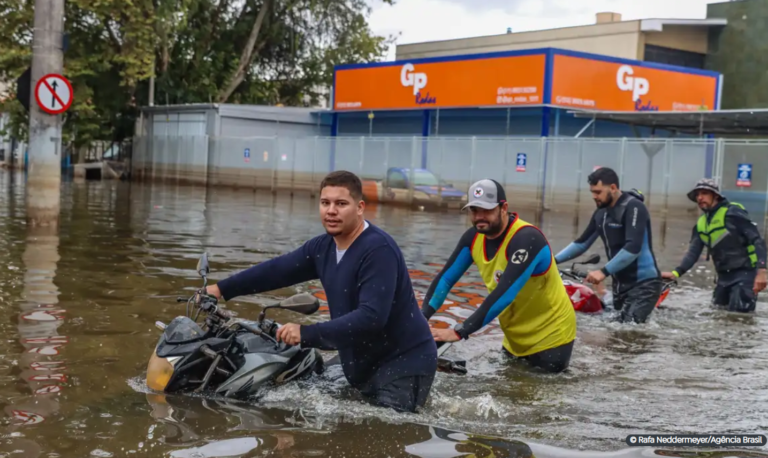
494, 228
605, 204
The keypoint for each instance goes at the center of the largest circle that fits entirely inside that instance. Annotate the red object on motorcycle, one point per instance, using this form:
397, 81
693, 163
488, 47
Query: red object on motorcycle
664, 293
585, 300
582, 297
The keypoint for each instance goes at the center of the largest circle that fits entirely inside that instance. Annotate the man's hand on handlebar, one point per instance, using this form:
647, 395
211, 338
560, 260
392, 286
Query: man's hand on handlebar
213, 290
200, 297
289, 333
595, 277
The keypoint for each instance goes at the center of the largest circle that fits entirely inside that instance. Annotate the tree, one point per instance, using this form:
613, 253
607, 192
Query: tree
265, 51
200, 51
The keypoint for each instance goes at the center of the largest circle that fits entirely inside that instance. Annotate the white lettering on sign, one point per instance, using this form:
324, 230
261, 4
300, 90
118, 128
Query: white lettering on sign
409, 77
516, 90
626, 82
349, 105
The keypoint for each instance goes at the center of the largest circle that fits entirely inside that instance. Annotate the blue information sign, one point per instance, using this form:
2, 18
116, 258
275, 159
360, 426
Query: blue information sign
522, 159
744, 177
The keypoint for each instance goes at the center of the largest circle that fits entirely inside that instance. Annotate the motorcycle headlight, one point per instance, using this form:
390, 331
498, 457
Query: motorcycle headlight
159, 372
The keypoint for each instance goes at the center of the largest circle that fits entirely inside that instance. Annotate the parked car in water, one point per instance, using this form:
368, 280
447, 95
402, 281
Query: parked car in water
428, 191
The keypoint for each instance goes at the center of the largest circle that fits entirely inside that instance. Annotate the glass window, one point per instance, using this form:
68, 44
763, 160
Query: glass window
395, 179
669, 56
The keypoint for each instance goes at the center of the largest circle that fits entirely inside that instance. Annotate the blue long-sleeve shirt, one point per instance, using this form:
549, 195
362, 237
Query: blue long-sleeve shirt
375, 325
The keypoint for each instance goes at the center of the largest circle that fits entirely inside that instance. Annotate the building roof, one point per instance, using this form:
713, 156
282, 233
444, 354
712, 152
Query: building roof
646, 25
302, 115
721, 122
657, 25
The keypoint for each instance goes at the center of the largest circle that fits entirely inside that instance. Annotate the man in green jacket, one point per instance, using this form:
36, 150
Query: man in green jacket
735, 245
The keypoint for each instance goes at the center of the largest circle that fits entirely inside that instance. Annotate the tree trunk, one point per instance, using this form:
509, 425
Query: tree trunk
247, 56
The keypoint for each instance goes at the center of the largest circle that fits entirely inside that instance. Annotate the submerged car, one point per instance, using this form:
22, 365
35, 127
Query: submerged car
428, 190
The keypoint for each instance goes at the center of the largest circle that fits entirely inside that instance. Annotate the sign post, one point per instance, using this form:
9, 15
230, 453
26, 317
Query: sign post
247, 155
522, 160
53, 94
744, 177
370, 124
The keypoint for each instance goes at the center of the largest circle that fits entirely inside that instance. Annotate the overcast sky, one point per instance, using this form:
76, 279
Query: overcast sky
429, 20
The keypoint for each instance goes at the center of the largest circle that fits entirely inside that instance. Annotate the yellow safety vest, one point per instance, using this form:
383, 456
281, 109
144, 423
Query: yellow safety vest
713, 231
541, 316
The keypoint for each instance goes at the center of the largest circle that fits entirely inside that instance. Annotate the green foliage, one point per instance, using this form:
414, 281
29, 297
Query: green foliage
740, 52
195, 50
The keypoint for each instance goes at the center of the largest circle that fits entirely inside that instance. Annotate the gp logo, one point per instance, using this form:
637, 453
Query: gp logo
626, 82
409, 77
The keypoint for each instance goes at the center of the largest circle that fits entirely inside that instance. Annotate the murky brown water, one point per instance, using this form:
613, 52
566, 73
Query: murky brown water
80, 304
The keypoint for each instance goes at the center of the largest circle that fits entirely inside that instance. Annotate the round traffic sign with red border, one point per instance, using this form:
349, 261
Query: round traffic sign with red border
53, 94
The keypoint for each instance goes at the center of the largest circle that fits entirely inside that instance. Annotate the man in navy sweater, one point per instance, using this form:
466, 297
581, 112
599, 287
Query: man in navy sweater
384, 342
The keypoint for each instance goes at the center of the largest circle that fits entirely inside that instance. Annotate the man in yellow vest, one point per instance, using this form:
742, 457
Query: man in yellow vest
735, 245
525, 290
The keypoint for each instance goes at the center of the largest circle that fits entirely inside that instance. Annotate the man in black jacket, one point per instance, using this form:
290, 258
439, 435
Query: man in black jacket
623, 223
735, 245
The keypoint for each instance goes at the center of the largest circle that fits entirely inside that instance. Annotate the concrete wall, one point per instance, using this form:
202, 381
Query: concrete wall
684, 38
617, 39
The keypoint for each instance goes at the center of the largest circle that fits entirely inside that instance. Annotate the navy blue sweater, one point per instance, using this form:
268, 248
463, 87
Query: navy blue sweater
375, 325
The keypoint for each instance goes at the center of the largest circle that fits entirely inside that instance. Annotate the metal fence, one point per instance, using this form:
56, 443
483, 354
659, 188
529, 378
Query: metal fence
543, 172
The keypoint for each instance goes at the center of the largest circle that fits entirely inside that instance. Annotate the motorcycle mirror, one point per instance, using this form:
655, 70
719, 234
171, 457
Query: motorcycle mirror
594, 259
303, 303
202, 265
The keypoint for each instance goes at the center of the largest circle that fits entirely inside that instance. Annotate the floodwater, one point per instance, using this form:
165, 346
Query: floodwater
80, 306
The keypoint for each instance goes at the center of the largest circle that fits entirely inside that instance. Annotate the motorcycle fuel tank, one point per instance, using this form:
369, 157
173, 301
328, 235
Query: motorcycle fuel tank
257, 368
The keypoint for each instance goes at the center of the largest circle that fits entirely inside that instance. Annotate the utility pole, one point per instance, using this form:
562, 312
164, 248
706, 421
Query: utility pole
152, 89
43, 187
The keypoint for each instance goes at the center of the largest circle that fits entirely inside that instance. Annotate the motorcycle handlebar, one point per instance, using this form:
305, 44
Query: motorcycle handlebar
578, 276
207, 304
669, 281
221, 313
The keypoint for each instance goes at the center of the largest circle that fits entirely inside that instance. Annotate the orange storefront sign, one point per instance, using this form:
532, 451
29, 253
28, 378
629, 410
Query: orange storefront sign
582, 82
493, 81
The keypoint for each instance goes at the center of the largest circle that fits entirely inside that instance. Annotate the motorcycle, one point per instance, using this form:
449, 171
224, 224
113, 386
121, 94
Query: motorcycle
233, 357
584, 298
230, 356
